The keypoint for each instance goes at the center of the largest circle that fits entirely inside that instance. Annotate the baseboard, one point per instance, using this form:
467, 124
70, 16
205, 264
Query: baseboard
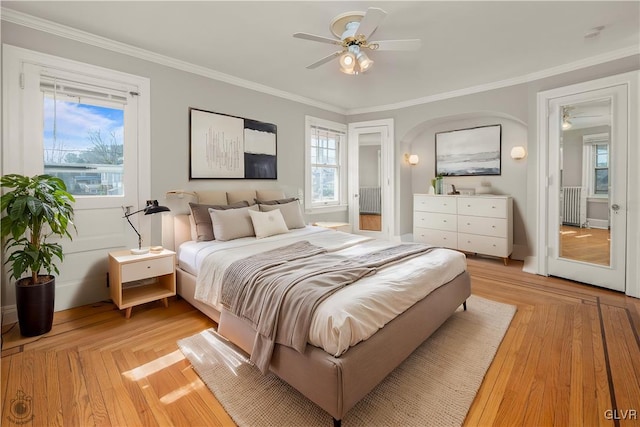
598, 223
9, 315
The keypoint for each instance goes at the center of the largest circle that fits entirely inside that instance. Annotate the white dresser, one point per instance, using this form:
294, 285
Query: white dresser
477, 224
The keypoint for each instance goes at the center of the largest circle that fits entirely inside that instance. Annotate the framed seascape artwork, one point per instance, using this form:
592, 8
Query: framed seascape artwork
468, 152
229, 147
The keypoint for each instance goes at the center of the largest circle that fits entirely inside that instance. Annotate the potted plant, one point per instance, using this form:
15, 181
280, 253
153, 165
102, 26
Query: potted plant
34, 209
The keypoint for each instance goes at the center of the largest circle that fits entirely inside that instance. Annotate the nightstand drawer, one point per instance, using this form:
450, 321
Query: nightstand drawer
147, 268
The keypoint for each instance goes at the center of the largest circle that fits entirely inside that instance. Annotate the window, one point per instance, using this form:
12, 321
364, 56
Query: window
325, 165
595, 158
83, 137
601, 169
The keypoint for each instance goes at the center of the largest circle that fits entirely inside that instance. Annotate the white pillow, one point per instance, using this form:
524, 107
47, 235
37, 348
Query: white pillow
268, 224
232, 223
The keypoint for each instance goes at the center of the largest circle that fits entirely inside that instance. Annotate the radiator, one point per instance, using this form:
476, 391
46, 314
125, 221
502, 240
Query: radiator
574, 206
370, 199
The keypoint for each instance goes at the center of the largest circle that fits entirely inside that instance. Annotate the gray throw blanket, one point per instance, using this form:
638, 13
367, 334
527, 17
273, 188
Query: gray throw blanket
279, 290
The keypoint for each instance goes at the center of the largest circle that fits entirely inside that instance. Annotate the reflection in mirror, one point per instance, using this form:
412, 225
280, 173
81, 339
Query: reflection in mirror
584, 182
370, 196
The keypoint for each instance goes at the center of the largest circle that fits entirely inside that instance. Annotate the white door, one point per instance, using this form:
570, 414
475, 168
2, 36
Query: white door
587, 191
371, 178
87, 126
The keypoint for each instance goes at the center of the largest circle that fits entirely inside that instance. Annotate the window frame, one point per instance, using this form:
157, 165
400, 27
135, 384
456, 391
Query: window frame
22, 72
342, 167
589, 153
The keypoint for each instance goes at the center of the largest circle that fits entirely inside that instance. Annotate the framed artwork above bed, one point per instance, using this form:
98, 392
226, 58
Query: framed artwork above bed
469, 152
229, 147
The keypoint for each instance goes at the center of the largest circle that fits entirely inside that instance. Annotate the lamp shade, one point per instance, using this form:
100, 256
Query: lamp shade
347, 63
518, 153
414, 159
153, 207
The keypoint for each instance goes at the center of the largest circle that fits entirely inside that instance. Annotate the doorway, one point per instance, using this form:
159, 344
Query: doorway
584, 152
371, 178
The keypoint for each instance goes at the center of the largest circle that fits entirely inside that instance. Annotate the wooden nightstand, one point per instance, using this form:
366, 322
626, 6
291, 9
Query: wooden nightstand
339, 226
137, 279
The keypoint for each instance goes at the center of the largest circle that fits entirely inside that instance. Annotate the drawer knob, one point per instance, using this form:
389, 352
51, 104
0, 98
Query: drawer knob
468, 223
468, 206
494, 246
493, 226
493, 207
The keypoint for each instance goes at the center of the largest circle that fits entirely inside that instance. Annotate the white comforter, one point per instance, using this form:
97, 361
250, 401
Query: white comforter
350, 315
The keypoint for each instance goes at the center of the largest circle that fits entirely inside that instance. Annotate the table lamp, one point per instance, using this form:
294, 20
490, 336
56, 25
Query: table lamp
152, 207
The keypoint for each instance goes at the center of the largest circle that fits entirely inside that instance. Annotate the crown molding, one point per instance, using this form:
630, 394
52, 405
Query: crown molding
50, 27
19, 18
549, 72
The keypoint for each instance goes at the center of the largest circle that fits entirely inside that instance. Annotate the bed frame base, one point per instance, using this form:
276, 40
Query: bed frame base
336, 384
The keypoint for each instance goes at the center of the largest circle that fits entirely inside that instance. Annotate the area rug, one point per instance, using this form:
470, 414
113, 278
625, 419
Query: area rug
435, 386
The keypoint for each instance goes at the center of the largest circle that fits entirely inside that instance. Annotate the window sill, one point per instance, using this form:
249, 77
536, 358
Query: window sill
598, 199
326, 209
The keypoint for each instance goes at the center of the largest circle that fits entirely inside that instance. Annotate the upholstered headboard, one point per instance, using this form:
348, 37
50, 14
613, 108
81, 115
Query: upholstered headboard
176, 228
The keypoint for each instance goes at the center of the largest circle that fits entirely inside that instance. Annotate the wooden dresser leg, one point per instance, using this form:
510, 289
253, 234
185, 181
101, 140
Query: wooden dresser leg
506, 260
128, 312
165, 301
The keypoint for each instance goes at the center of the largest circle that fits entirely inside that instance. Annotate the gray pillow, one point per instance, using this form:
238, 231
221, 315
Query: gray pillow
202, 219
290, 212
232, 224
276, 202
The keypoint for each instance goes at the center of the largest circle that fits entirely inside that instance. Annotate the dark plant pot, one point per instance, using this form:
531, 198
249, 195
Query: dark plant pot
35, 305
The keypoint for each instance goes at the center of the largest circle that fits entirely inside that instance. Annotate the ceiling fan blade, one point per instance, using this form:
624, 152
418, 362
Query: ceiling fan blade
408, 44
370, 21
315, 38
324, 60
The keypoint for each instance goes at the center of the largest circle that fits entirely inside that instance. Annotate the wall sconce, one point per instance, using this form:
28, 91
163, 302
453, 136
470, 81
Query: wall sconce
518, 153
412, 159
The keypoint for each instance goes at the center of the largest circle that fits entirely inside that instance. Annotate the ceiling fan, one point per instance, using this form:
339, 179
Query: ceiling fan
353, 30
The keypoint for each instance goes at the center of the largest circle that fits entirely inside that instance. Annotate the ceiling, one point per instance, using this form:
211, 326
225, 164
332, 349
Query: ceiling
464, 44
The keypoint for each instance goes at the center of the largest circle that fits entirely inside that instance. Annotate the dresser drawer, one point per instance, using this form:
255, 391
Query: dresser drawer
436, 221
446, 239
483, 245
485, 226
145, 269
428, 203
481, 206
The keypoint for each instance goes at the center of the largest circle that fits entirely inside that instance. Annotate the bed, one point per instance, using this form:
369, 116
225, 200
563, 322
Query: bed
351, 347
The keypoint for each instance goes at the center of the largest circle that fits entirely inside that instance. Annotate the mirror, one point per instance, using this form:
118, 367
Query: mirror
585, 152
369, 177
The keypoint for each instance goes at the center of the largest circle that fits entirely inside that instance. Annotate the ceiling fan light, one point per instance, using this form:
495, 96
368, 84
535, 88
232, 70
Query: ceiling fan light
364, 61
347, 63
566, 124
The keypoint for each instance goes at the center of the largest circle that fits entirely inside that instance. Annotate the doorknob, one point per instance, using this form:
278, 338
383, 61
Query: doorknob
615, 207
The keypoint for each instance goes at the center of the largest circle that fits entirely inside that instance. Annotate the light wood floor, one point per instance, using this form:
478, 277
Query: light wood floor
571, 353
591, 245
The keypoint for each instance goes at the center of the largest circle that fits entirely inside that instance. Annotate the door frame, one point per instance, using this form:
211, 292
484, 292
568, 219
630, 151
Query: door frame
385, 126
631, 81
